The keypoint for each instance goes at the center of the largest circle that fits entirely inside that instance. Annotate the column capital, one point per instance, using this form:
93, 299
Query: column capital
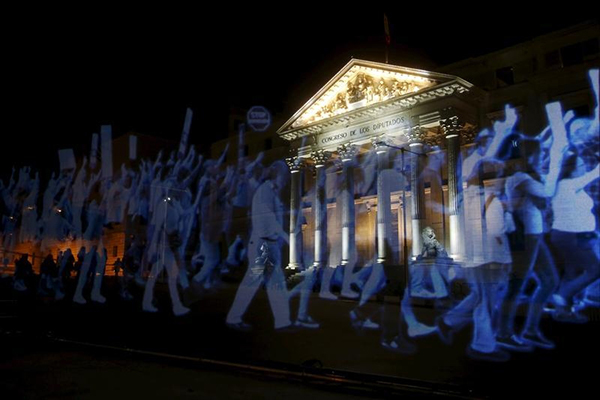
451, 126
380, 144
294, 163
416, 135
320, 157
347, 151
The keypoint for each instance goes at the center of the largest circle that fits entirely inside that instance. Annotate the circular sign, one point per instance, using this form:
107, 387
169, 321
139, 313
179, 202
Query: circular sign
258, 118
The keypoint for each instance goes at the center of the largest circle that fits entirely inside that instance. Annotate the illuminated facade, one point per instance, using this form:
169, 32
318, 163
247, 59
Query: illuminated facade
397, 113
377, 107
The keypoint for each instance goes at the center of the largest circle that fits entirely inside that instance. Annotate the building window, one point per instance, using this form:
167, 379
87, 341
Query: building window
534, 64
115, 251
552, 59
572, 55
590, 48
505, 76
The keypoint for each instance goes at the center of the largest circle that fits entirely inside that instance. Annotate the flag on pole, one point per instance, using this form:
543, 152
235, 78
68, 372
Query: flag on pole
386, 28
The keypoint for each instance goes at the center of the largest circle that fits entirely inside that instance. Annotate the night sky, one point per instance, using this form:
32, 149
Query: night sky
69, 71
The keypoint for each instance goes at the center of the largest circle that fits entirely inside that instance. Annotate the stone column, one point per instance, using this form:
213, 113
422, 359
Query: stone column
383, 203
295, 165
451, 131
320, 158
347, 153
417, 186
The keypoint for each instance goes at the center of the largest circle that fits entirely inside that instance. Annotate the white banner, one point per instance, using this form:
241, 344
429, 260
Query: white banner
186, 132
94, 151
66, 157
132, 147
106, 150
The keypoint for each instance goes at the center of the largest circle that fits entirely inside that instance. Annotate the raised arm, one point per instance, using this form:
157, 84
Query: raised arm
221, 159
585, 179
594, 80
193, 174
559, 144
502, 129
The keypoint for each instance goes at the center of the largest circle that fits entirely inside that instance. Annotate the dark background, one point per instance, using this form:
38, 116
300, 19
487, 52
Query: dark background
67, 71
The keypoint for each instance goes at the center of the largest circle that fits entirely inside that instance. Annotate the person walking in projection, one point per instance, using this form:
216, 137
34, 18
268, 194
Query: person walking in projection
29, 216
310, 270
575, 226
487, 256
185, 173
573, 231
367, 185
248, 182
528, 192
213, 214
92, 237
264, 254
578, 227
335, 180
166, 233
56, 218
80, 191
394, 326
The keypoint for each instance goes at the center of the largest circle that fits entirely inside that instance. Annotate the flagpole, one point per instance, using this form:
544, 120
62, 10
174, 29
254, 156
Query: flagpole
386, 29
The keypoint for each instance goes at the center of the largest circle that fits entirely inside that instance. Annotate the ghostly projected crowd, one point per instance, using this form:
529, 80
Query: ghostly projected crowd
539, 253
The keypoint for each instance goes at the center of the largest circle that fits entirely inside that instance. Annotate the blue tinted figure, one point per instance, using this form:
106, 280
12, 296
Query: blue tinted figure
214, 220
482, 267
585, 142
80, 192
527, 193
29, 216
573, 237
92, 236
335, 182
168, 236
264, 253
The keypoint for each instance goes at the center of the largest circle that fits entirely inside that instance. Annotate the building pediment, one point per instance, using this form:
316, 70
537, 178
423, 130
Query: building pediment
364, 85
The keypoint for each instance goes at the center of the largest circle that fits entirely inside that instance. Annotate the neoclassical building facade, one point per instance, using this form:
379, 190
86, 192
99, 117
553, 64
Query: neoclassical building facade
401, 129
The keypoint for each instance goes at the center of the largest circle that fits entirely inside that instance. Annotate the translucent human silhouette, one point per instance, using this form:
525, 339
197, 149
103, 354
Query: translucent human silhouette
574, 234
29, 215
527, 194
335, 179
93, 237
213, 218
481, 266
264, 255
166, 233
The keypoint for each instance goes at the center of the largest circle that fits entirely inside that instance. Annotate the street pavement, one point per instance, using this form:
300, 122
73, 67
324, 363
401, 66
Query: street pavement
64, 337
